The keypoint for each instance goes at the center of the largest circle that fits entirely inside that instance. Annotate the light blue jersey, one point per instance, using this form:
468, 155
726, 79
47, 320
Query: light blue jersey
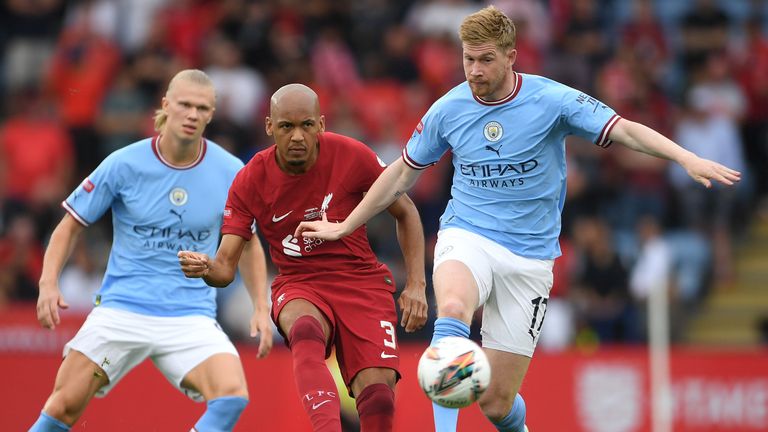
157, 210
509, 158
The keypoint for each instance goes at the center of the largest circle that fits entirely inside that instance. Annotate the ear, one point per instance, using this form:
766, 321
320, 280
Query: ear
512, 56
268, 125
321, 123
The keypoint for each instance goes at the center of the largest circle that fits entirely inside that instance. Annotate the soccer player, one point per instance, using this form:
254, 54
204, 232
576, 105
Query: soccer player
166, 193
499, 233
326, 294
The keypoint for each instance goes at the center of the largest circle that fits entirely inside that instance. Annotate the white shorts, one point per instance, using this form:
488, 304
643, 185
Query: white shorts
513, 290
118, 340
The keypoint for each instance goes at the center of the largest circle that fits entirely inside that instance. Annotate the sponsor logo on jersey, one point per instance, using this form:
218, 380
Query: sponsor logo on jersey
498, 175
493, 131
227, 213
291, 246
178, 196
88, 186
171, 238
419, 127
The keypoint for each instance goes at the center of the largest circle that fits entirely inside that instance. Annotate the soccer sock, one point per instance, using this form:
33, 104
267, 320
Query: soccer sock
446, 419
313, 379
222, 414
515, 420
46, 423
376, 407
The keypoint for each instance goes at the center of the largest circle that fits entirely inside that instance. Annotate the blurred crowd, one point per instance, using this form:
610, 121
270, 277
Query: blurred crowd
80, 79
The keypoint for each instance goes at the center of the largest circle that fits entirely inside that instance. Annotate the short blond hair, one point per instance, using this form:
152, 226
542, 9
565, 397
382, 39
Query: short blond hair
488, 25
190, 75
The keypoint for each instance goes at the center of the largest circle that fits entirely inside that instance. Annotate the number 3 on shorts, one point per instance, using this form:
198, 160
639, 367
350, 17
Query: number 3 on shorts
389, 329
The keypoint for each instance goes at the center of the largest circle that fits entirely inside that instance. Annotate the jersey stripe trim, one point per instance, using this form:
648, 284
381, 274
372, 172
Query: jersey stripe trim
507, 98
196, 162
412, 163
602, 139
74, 214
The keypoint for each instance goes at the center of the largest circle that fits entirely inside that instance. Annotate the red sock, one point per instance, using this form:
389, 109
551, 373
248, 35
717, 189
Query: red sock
313, 379
376, 407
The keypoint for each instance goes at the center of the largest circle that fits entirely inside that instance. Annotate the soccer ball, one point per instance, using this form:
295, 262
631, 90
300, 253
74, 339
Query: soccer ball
454, 372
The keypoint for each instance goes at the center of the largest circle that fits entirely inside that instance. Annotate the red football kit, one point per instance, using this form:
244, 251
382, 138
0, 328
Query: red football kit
342, 278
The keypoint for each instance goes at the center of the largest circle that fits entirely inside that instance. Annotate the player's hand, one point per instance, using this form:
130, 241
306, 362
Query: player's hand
413, 307
704, 171
262, 325
321, 229
194, 264
48, 303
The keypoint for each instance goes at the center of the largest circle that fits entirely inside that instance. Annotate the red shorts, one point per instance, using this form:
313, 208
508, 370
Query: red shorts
362, 317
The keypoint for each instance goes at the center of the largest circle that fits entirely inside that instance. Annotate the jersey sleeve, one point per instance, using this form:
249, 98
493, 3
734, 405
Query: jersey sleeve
427, 144
91, 199
587, 117
238, 219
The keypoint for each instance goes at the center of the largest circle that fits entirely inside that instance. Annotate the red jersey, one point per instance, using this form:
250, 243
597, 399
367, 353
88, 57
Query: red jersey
344, 170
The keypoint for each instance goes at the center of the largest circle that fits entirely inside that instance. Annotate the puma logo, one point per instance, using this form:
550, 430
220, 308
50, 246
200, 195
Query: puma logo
178, 215
497, 151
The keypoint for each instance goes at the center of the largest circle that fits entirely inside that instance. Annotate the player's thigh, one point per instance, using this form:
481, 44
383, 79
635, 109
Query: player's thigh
196, 343
514, 312
77, 381
301, 307
366, 329
462, 275
370, 376
220, 375
507, 373
114, 340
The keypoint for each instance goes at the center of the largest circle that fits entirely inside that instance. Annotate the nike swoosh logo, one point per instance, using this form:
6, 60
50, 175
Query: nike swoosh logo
318, 405
276, 218
386, 356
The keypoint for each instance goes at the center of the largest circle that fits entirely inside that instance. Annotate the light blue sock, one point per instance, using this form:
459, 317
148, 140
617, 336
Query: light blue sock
222, 414
46, 423
446, 419
515, 420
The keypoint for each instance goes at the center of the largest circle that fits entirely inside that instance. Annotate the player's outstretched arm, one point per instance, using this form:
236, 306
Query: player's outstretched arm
218, 272
391, 184
410, 235
253, 270
59, 249
644, 139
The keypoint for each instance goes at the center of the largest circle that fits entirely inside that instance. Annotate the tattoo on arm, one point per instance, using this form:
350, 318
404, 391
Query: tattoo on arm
398, 193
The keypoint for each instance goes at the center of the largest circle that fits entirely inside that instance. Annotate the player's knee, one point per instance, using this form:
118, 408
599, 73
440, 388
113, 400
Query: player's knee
231, 389
496, 408
455, 308
306, 328
62, 408
376, 399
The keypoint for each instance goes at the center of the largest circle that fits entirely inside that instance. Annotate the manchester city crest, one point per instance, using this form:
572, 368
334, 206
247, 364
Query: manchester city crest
178, 196
493, 131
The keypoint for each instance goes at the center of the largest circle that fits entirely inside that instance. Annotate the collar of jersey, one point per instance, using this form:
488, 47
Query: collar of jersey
507, 98
200, 154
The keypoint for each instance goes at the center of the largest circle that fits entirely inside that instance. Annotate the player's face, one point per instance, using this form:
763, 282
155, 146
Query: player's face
190, 108
488, 70
295, 127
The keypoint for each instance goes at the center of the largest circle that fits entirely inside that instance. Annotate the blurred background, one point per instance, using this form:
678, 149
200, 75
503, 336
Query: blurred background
80, 79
